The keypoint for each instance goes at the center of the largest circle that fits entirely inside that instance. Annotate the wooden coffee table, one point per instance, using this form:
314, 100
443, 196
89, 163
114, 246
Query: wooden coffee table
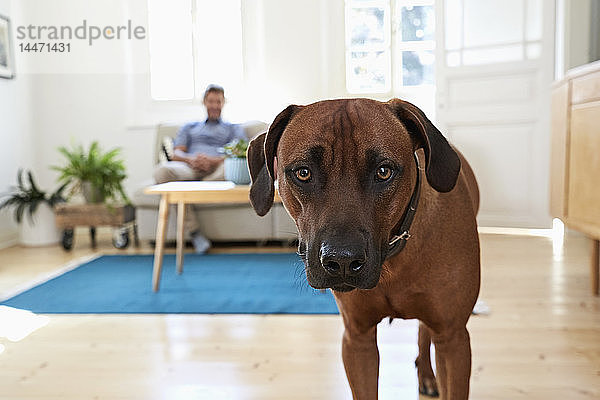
189, 192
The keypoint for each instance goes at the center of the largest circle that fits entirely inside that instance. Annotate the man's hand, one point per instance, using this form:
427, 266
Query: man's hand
200, 162
205, 164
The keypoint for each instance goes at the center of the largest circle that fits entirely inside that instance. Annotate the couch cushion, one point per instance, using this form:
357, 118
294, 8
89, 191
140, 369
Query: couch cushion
254, 128
141, 199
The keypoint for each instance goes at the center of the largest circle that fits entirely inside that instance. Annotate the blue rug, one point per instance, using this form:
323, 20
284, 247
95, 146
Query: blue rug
210, 284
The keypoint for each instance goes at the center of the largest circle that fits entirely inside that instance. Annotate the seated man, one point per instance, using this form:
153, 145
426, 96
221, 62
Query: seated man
197, 157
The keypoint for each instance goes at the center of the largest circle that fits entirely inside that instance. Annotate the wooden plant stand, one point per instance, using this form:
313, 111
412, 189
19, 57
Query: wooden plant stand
69, 216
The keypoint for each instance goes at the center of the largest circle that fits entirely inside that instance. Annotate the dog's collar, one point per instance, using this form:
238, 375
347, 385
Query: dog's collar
398, 241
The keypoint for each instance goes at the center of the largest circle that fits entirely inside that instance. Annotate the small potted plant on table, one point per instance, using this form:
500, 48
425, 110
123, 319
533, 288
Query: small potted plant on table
236, 166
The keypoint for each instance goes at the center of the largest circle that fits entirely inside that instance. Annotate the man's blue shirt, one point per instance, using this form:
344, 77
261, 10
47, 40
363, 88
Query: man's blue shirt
208, 137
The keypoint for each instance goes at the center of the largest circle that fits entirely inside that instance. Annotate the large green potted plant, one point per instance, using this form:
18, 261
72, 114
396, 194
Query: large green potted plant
236, 166
33, 210
96, 174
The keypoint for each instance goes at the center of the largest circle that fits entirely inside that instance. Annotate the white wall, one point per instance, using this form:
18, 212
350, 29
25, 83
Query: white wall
16, 149
81, 108
293, 54
85, 95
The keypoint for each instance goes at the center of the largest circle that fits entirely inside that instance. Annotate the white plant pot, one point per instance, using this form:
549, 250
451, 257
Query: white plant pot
43, 230
236, 170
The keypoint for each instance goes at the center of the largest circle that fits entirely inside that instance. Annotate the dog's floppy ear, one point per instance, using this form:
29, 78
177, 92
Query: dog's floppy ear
261, 189
442, 163
261, 159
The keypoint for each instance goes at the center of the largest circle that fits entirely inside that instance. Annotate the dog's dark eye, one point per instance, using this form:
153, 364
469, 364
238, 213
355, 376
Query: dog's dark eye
384, 173
303, 174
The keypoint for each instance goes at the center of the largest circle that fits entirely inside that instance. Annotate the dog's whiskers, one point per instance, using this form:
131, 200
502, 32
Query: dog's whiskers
301, 254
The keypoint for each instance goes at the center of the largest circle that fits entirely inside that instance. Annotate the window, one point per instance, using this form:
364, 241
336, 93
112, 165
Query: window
368, 46
194, 43
389, 45
492, 31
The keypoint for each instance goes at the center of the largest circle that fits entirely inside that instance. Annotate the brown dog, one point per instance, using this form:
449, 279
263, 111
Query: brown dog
349, 175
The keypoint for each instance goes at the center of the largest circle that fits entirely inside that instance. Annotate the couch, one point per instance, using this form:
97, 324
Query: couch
225, 223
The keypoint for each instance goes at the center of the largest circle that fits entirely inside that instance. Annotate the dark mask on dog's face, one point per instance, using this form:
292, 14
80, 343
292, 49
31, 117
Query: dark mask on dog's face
346, 172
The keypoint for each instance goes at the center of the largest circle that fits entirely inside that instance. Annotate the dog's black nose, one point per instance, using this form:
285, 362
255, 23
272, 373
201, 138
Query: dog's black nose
342, 261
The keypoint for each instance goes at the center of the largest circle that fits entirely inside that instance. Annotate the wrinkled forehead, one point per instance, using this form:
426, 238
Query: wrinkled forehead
344, 130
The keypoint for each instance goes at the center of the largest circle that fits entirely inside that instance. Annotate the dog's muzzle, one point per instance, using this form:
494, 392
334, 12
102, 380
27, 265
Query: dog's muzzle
344, 262
341, 262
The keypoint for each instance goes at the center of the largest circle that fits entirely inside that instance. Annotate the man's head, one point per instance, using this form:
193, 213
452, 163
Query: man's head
346, 172
214, 100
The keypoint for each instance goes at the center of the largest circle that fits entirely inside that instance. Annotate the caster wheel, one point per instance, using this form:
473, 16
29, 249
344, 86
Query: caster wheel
121, 238
67, 239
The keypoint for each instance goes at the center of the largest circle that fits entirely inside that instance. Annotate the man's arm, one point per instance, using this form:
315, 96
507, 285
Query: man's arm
181, 144
239, 132
180, 154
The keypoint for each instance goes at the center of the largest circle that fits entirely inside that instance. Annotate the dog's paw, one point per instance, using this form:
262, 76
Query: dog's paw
427, 382
428, 386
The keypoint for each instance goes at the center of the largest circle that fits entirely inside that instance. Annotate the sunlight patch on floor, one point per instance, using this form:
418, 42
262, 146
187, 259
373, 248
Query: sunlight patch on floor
16, 324
556, 234
558, 239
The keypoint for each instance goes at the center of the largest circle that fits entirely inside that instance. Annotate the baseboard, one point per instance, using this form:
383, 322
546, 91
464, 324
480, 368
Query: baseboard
9, 239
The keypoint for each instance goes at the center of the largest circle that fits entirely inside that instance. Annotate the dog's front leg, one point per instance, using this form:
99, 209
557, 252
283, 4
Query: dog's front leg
427, 382
361, 361
453, 364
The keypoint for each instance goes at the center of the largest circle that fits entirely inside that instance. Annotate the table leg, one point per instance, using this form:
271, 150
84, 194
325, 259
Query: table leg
161, 230
136, 237
93, 236
595, 266
180, 241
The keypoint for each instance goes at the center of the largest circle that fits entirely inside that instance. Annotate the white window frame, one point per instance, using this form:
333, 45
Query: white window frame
525, 44
385, 47
394, 46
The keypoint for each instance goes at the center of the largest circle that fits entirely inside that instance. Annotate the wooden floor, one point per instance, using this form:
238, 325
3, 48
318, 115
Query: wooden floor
541, 340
